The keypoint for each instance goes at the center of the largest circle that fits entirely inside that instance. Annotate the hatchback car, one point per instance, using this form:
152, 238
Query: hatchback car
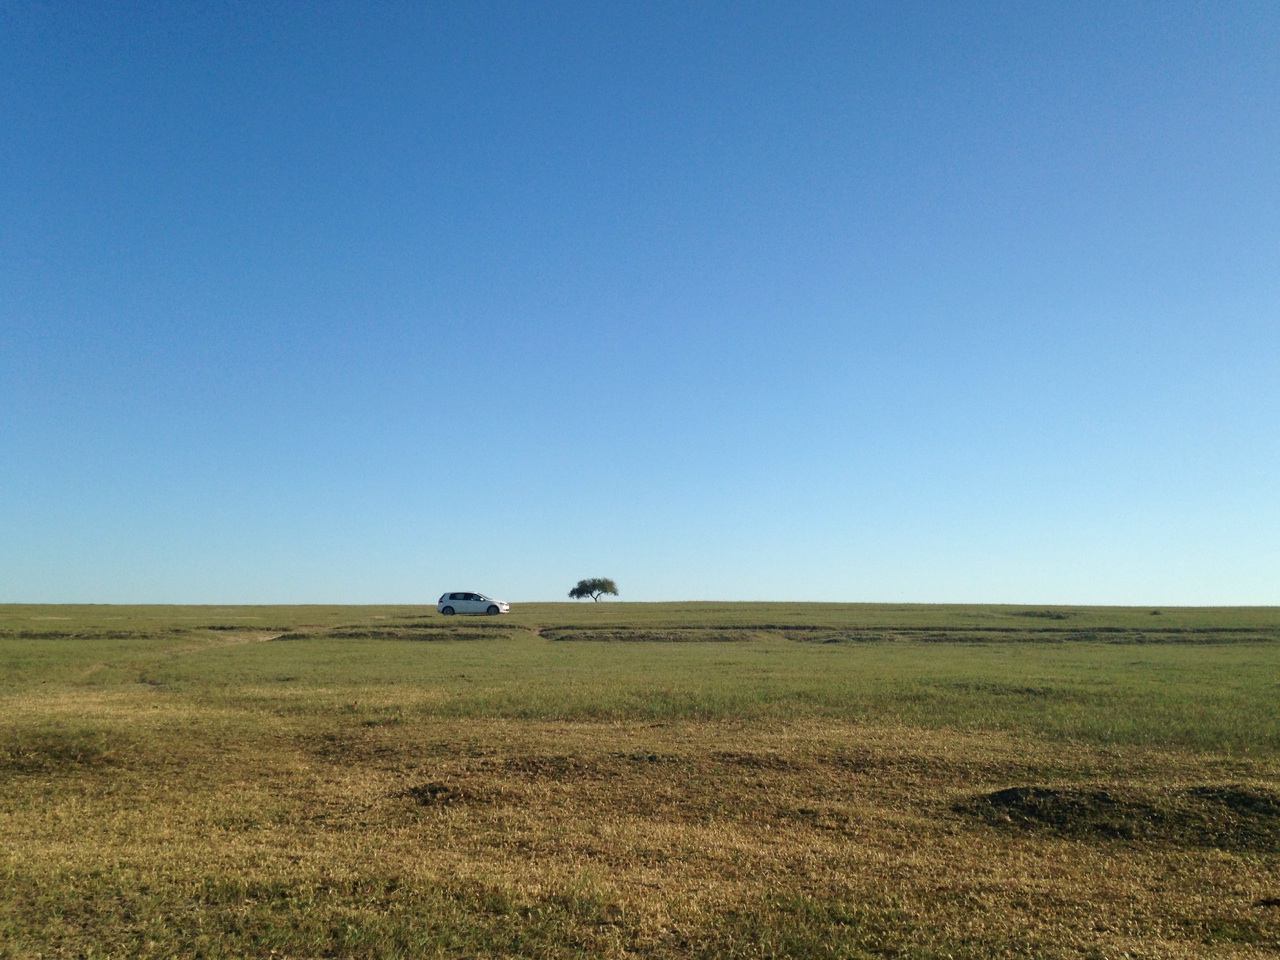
460, 602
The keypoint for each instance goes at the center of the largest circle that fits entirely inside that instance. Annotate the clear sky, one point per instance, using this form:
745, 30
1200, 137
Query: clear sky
856, 301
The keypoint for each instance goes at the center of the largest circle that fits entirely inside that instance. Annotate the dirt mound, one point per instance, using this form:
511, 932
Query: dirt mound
436, 794
1228, 816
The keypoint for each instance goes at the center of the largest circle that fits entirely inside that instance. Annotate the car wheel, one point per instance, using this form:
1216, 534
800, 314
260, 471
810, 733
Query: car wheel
447, 611
492, 609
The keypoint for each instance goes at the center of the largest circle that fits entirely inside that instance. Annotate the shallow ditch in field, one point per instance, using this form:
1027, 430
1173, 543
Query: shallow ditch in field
1225, 816
646, 635
812, 633
480, 630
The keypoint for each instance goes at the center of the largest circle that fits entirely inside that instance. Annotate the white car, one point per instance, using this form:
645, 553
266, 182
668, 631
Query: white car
460, 602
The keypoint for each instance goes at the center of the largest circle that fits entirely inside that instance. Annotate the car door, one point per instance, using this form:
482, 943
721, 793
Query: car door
471, 603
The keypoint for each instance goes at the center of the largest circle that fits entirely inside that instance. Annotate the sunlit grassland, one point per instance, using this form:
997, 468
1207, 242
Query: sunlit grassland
639, 779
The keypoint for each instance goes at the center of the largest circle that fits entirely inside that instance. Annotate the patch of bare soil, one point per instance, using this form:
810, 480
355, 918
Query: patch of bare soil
1226, 816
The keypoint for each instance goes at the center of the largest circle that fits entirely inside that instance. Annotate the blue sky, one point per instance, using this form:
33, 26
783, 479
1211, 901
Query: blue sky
346, 302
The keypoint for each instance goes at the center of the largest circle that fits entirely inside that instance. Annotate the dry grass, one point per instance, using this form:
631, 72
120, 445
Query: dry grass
249, 815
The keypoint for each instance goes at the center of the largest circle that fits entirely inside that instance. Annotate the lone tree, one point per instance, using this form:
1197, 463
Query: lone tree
595, 588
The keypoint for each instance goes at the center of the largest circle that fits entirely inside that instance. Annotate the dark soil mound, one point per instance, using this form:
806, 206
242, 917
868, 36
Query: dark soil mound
435, 794
1230, 817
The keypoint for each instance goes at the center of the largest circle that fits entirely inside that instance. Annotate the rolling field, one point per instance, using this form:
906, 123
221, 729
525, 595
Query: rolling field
651, 780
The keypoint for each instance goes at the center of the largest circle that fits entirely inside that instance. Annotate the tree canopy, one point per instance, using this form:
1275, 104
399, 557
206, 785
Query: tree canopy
595, 588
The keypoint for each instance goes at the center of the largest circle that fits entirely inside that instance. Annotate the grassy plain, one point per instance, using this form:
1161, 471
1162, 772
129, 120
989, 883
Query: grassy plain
654, 780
